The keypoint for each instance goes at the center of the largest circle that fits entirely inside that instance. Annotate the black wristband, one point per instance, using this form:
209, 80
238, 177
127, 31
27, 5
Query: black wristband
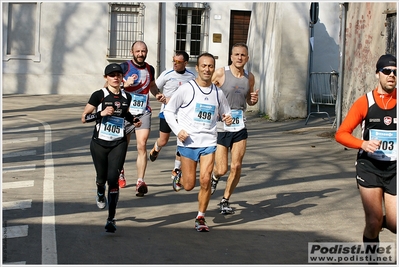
93, 116
129, 117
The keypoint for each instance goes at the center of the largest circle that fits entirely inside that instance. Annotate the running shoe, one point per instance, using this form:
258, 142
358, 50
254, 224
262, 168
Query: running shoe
101, 201
153, 154
175, 172
110, 226
122, 180
177, 186
141, 189
224, 207
214, 183
200, 224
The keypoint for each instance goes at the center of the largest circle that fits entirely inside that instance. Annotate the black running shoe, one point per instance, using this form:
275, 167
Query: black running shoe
153, 154
110, 226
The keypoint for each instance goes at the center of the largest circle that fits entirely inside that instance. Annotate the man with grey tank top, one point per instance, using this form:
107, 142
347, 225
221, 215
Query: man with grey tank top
238, 86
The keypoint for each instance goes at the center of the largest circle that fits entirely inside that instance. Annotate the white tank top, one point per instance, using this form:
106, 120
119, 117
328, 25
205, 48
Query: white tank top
197, 109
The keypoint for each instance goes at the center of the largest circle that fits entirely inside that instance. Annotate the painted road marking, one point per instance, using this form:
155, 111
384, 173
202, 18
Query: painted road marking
19, 204
30, 129
20, 154
15, 231
20, 140
19, 184
20, 168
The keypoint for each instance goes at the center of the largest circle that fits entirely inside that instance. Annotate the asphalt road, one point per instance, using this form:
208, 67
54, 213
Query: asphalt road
297, 187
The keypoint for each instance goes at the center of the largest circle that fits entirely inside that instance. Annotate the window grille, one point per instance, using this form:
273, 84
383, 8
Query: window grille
192, 28
126, 25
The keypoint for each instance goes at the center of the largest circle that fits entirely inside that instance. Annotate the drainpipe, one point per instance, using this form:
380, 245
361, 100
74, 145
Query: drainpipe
314, 17
159, 39
338, 108
310, 65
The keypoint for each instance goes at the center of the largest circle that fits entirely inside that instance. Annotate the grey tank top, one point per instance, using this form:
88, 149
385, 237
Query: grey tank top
236, 90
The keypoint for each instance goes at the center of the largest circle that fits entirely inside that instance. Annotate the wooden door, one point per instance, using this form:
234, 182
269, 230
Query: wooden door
239, 25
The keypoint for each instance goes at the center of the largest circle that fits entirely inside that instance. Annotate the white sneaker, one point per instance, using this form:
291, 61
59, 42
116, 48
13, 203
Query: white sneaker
101, 201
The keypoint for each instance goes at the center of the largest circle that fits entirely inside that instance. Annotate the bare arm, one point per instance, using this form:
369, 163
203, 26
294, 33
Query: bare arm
218, 77
155, 92
88, 110
108, 111
252, 96
224, 109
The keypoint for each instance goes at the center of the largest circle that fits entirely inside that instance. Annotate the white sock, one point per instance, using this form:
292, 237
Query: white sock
201, 214
157, 148
177, 164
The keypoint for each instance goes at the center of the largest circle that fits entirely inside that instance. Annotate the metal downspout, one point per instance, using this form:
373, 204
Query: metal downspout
338, 108
159, 39
310, 66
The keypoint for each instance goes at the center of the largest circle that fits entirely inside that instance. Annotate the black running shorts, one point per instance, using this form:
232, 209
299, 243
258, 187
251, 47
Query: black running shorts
164, 126
227, 139
374, 173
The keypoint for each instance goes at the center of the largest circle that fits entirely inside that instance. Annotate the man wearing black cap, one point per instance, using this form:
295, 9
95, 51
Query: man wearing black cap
378, 149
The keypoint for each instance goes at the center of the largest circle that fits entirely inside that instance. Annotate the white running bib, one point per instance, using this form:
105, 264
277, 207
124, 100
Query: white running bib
238, 121
204, 114
388, 149
111, 128
138, 104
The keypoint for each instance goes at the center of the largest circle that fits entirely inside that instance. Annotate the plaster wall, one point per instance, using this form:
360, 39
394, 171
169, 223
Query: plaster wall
279, 40
365, 42
72, 52
73, 41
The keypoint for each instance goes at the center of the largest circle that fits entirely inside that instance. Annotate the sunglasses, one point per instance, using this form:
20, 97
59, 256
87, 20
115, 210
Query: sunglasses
388, 71
115, 74
177, 61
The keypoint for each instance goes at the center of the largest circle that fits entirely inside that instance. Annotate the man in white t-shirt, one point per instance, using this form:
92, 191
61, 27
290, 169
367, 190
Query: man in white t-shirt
197, 104
167, 83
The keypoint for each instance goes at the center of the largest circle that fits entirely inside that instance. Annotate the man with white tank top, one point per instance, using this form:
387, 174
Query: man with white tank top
198, 105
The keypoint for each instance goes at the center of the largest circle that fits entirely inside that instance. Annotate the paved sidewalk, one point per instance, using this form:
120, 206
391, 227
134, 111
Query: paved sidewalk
297, 187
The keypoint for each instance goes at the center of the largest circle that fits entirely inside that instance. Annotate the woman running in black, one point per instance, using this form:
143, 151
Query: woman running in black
109, 107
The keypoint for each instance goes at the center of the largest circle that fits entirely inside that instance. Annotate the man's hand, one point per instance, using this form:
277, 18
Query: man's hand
161, 98
228, 120
129, 82
371, 145
137, 122
182, 136
255, 97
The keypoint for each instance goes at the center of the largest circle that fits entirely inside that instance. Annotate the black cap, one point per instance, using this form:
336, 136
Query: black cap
113, 67
385, 61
